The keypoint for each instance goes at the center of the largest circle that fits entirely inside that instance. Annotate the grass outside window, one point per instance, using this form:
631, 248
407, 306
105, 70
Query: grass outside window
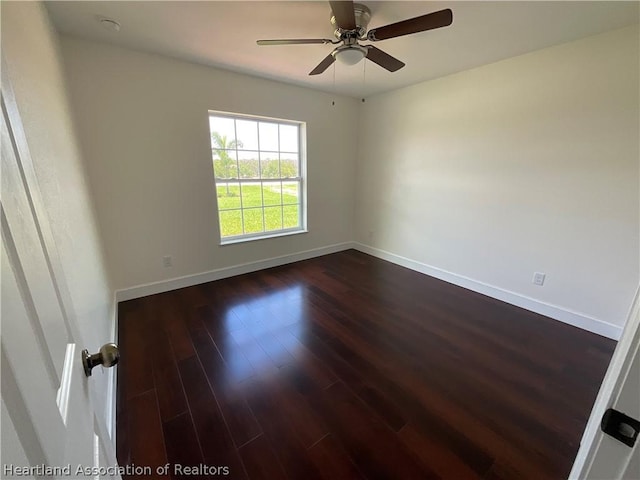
265, 208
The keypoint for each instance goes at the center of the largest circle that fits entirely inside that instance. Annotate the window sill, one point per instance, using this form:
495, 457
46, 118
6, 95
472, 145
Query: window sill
233, 241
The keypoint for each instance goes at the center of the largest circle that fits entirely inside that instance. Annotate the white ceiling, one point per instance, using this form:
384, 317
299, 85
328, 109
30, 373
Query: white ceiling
224, 34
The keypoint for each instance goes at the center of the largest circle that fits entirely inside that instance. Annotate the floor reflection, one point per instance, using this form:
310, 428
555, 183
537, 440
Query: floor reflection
258, 332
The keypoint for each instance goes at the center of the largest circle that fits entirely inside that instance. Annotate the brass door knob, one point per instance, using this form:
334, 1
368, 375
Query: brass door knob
108, 356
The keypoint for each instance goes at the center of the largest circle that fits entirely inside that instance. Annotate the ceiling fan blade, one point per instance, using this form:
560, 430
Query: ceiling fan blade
323, 65
344, 13
294, 41
383, 59
429, 21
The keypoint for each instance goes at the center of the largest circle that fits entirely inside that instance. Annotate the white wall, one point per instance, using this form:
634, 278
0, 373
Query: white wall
31, 51
143, 124
529, 164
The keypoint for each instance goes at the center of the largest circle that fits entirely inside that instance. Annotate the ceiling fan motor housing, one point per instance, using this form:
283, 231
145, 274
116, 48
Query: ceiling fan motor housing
362, 14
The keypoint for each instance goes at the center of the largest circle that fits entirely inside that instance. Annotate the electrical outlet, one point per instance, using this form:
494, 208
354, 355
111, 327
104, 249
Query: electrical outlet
167, 261
538, 278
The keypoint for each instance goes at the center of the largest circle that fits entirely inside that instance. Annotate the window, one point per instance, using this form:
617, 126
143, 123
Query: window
258, 168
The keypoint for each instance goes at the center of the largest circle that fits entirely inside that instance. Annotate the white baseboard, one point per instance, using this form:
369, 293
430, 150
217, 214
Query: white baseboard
198, 278
555, 312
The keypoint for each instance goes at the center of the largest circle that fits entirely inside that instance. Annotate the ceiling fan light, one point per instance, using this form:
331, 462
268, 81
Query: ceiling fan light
350, 56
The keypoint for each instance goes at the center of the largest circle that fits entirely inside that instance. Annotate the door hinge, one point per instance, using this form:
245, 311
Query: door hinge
620, 426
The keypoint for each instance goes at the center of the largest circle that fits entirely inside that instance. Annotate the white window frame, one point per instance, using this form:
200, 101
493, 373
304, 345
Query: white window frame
302, 174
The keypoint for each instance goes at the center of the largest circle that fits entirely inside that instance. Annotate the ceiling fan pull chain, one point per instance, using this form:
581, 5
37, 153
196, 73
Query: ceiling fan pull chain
364, 79
333, 102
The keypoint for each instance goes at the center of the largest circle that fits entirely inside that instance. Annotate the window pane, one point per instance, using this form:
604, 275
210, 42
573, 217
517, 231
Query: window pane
257, 169
290, 192
249, 164
253, 220
247, 134
289, 165
224, 164
272, 193
291, 217
268, 137
270, 165
288, 138
221, 127
231, 223
251, 195
228, 195
273, 218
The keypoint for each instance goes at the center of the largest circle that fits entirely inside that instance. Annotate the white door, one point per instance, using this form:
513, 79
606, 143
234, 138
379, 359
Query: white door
602, 456
47, 415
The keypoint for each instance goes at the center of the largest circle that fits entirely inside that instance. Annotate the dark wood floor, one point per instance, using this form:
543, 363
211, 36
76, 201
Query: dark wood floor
346, 366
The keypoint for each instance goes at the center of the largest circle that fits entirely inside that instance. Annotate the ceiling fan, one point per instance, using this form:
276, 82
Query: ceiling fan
350, 21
